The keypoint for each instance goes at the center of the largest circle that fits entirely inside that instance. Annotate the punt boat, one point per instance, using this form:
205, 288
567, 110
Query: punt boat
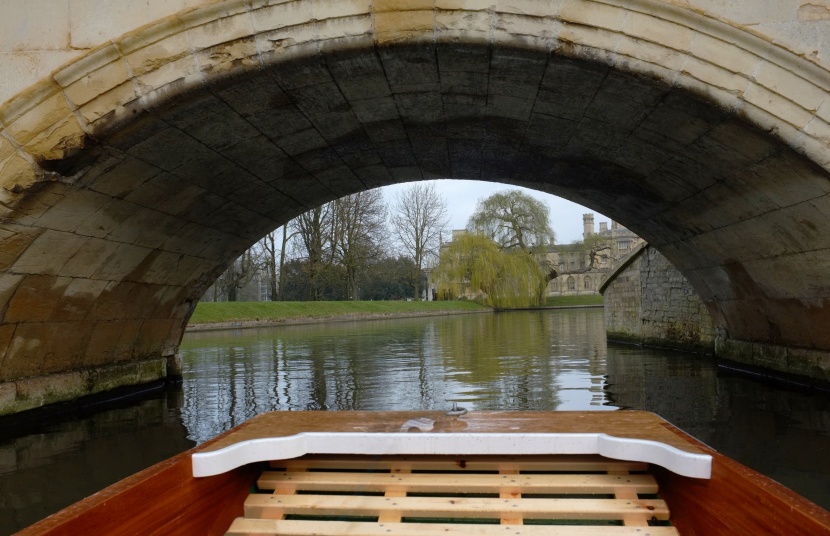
456, 473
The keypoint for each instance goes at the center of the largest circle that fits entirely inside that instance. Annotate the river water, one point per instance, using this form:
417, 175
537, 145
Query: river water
544, 360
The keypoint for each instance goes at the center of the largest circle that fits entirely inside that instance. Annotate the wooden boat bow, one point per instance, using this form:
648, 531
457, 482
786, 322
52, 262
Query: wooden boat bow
624, 435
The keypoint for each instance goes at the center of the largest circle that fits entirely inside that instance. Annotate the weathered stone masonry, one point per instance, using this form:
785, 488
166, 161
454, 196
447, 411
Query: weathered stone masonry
132, 175
647, 301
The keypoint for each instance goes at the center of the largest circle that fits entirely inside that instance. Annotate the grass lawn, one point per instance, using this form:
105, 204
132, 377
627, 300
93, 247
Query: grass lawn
553, 301
210, 312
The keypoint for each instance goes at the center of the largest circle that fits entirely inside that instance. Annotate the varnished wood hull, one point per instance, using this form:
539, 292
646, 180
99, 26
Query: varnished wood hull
167, 499
737, 500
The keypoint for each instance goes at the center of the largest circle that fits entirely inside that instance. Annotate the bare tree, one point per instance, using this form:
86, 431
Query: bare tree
286, 237
314, 229
268, 247
358, 226
420, 214
238, 274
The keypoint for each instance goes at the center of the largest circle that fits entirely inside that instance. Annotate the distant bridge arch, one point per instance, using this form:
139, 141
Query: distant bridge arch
132, 176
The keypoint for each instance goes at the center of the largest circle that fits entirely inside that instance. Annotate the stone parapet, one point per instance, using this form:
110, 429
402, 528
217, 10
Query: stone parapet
30, 393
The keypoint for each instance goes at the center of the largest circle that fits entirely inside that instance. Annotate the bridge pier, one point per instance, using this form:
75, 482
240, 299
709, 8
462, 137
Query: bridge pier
38, 391
649, 302
777, 360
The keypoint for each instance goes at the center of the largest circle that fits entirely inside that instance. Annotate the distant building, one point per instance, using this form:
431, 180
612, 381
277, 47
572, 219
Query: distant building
583, 266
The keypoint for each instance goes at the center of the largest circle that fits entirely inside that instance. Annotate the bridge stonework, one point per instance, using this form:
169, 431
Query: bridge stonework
648, 302
132, 175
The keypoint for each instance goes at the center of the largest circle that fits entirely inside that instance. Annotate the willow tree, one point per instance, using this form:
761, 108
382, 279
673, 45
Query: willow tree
514, 220
518, 222
504, 279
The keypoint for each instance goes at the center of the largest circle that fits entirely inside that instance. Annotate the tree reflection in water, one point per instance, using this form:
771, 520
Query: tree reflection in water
519, 360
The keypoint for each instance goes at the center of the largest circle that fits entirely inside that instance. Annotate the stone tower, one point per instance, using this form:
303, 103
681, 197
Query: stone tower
587, 225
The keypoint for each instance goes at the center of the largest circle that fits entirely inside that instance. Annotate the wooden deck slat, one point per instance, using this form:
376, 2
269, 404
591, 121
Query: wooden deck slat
271, 506
459, 482
270, 527
341, 495
564, 462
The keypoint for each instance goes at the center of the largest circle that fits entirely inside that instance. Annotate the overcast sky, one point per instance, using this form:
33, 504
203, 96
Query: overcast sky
462, 196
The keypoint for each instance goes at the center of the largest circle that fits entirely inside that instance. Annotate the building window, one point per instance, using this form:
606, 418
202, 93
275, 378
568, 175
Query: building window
554, 285
624, 245
587, 283
571, 283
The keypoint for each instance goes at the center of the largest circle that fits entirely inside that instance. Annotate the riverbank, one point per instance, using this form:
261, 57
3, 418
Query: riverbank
231, 315
225, 315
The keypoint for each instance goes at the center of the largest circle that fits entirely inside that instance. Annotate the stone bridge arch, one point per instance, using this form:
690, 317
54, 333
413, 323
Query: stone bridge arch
132, 176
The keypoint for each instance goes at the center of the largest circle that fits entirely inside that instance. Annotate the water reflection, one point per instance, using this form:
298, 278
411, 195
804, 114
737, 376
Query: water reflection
519, 361
56, 465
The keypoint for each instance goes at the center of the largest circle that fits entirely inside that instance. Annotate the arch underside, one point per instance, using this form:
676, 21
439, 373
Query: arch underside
106, 253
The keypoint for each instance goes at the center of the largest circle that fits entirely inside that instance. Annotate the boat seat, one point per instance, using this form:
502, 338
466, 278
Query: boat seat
578, 495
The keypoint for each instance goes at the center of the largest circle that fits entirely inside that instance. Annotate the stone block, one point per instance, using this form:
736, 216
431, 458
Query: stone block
807, 362
377, 109
73, 210
151, 370
779, 80
342, 8
469, 24
595, 39
398, 22
154, 47
77, 301
229, 57
45, 111
88, 28
819, 130
777, 106
769, 356
110, 107
530, 8
58, 141
92, 75
657, 30
655, 54
126, 348
42, 390
381, 6
157, 9
34, 298
153, 333
170, 79
595, 14
108, 377
39, 31
347, 33
281, 15
88, 259
24, 68
747, 12
213, 27
103, 345
13, 241
48, 253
